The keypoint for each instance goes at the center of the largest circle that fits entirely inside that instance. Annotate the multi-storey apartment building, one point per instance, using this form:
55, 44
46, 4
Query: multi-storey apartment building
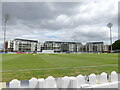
106, 48
23, 45
94, 47
62, 46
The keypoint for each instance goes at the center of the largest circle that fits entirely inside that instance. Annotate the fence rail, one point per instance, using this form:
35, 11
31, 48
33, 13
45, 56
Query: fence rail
92, 81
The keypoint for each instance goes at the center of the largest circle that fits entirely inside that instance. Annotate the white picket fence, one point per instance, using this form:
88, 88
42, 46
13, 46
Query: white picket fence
91, 81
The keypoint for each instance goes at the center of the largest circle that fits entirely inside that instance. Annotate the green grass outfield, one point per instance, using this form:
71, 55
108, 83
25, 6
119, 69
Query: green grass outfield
25, 66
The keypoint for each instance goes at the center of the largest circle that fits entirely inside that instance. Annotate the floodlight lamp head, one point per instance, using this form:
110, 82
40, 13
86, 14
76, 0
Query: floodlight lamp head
109, 25
7, 17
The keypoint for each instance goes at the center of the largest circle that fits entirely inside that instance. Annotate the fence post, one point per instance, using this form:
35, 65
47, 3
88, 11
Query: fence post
66, 82
14, 83
103, 78
33, 83
114, 76
92, 79
80, 80
41, 82
50, 82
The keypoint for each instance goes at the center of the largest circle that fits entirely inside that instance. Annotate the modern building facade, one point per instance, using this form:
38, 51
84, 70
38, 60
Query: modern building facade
62, 46
94, 47
106, 48
24, 45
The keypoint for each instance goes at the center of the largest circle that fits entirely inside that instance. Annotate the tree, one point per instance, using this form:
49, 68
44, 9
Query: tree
116, 45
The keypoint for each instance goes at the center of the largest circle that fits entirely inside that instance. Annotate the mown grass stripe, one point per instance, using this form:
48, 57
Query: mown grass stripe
57, 68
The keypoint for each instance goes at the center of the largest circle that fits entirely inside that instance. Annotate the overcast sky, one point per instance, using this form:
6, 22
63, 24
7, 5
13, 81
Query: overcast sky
61, 21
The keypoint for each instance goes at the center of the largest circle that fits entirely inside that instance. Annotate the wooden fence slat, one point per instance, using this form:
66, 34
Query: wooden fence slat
14, 84
41, 83
73, 82
80, 80
33, 83
66, 82
103, 78
3, 85
114, 76
59, 83
92, 79
50, 82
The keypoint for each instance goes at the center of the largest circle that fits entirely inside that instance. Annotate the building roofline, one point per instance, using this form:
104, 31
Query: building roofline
26, 40
62, 42
94, 42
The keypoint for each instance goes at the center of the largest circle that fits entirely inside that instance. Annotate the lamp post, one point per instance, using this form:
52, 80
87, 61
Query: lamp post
109, 25
7, 17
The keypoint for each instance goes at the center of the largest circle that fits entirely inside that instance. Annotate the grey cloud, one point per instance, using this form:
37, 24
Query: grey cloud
65, 20
32, 11
38, 15
90, 36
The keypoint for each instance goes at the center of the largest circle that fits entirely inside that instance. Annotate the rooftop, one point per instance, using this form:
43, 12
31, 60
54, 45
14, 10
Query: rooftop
94, 43
61, 42
26, 40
